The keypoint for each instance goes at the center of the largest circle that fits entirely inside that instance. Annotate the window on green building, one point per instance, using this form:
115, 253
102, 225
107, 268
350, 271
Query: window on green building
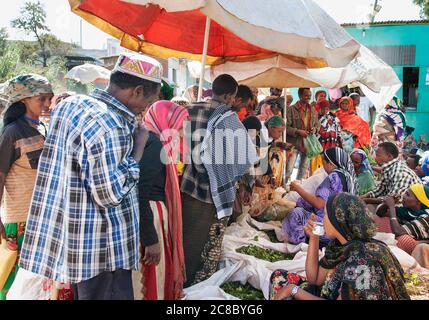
411, 87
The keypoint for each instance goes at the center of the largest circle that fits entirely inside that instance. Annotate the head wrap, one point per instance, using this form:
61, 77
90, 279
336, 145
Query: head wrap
140, 66
275, 122
365, 161
318, 93
322, 105
351, 107
167, 90
350, 217
341, 160
422, 193
26, 86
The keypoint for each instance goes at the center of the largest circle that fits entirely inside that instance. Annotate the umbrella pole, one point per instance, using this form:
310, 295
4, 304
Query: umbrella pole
285, 137
204, 58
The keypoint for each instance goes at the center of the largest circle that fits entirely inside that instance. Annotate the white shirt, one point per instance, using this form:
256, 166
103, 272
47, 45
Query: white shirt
363, 108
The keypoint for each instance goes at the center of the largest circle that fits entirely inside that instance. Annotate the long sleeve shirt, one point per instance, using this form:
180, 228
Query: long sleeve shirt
396, 179
83, 218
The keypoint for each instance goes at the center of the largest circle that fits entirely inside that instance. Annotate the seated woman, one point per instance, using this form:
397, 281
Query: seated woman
364, 172
341, 178
352, 123
408, 222
353, 258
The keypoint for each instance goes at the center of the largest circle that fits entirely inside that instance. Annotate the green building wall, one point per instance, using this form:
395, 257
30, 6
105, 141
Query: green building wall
401, 35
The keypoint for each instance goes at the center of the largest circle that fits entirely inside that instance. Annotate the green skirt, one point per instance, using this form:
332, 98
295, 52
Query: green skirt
15, 233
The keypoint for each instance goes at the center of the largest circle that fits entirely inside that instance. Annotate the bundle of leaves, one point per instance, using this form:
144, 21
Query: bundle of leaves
265, 254
417, 286
244, 292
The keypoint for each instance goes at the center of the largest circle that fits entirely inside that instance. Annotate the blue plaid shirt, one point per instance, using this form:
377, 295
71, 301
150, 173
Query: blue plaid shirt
83, 218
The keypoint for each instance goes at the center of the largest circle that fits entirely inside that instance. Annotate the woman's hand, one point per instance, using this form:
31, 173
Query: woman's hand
309, 227
390, 202
284, 293
295, 186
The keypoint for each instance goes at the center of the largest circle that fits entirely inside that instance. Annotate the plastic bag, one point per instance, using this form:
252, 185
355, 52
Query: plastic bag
365, 182
312, 146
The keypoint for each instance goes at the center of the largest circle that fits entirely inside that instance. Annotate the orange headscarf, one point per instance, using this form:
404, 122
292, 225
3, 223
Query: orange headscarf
354, 124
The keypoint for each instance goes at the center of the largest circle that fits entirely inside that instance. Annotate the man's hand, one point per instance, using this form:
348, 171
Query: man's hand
303, 133
152, 254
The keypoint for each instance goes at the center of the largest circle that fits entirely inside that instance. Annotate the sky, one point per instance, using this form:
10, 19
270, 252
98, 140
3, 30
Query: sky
66, 25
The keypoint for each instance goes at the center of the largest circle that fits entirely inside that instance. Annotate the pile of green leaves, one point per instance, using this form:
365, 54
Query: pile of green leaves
265, 254
244, 292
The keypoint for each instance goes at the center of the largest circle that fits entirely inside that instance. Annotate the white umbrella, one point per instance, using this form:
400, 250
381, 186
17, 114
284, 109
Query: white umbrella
88, 73
299, 29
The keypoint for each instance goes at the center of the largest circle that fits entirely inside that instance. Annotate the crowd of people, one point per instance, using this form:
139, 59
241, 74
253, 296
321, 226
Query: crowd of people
132, 178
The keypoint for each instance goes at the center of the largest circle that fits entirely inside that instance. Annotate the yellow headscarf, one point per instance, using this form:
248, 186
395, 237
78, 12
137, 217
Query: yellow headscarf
421, 192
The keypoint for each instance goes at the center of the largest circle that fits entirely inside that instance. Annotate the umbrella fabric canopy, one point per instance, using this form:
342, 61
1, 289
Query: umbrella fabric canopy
242, 30
376, 78
88, 73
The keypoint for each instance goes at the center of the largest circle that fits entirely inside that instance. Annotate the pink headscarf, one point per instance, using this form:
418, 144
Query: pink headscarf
164, 118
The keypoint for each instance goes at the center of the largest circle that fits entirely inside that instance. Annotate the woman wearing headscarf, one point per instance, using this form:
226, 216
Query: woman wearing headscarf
319, 97
160, 203
341, 178
353, 124
390, 126
363, 170
329, 132
408, 220
21, 143
191, 94
355, 266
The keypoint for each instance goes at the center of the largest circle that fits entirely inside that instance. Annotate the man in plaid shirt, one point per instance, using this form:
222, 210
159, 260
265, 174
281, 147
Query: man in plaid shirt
397, 177
83, 221
203, 231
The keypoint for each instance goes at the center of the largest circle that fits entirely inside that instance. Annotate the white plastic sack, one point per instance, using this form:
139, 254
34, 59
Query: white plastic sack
29, 286
310, 185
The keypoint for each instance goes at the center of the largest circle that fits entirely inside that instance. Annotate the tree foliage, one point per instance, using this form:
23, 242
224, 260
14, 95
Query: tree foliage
3, 40
424, 5
32, 20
